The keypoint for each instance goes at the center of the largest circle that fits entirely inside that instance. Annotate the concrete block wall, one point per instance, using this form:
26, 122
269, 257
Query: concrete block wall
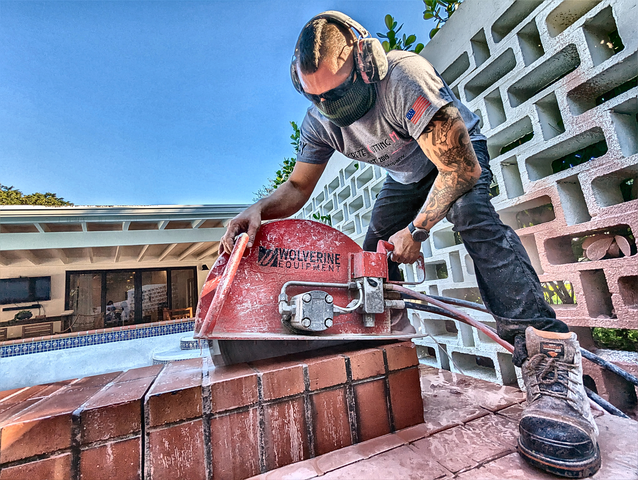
538, 73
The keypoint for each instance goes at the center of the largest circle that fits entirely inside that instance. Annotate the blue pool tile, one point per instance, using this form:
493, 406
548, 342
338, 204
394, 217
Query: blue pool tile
95, 339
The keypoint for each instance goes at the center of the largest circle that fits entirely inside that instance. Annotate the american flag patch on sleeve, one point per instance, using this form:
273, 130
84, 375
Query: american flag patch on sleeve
417, 109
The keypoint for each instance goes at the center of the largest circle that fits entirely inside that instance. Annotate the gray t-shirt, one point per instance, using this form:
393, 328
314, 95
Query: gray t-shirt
407, 99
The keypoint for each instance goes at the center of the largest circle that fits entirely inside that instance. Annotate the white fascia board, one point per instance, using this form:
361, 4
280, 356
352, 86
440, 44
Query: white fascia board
17, 214
52, 240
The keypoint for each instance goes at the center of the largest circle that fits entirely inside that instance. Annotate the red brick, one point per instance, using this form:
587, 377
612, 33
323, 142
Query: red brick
295, 471
119, 460
115, 411
286, 433
176, 394
459, 449
21, 440
96, 380
401, 355
326, 371
374, 447
137, 373
235, 445
414, 433
330, 421
233, 387
396, 463
495, 428
372, 409
177, 452
37, 391
366, 363
336, 459
57, 467
12, 409
24, 394
8, 393
51, 388
405, 396
280, 378
46, 426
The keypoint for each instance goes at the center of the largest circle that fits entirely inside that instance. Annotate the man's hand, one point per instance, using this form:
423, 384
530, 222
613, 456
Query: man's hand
406, 250
283, 202
247, 221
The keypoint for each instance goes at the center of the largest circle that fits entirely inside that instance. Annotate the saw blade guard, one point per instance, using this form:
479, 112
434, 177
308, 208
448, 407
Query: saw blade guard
295, 271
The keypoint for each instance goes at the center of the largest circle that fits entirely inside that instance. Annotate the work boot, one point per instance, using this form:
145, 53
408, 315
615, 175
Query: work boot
557, 430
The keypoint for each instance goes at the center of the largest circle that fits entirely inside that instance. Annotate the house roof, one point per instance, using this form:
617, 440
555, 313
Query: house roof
91, 234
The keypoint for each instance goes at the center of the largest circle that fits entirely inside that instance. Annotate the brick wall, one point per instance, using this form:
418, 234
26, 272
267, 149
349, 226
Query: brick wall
189, 420
552, 83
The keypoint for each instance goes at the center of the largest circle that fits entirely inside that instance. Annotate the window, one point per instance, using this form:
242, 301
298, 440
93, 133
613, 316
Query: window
110, 298
154, 295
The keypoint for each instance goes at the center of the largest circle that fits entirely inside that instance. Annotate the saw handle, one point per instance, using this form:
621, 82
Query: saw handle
387, 248
225, 282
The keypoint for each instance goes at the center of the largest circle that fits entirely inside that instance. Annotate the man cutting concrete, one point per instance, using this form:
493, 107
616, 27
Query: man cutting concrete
397, 112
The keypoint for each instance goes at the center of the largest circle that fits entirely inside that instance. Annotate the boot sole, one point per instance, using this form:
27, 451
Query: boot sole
577, 469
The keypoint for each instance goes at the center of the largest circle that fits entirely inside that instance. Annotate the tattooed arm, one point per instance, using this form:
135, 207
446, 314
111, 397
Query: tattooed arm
447, 144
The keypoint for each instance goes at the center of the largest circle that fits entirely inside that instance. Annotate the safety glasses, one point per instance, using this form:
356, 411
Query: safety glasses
334, 94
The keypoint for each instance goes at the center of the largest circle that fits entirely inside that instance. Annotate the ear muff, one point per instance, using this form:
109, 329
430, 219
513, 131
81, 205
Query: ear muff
369, 57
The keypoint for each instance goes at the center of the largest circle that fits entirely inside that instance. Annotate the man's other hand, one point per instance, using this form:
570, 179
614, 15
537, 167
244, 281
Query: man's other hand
406, 250
247, 221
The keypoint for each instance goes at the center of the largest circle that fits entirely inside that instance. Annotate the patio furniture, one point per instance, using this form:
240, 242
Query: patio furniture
178, 313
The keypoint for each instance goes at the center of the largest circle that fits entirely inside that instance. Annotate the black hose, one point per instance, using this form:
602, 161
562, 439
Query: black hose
431, 309
609, 366
461, 303
604, 403
456, 302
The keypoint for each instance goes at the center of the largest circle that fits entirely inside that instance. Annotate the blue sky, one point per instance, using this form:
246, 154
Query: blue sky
156, 102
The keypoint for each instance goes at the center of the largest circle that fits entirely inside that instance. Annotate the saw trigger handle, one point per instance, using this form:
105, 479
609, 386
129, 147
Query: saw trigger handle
223, 287
387, 248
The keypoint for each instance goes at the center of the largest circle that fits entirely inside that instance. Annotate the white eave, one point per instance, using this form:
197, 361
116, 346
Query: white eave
159, 233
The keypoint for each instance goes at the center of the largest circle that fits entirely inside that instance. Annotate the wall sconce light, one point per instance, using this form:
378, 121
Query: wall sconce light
205, 267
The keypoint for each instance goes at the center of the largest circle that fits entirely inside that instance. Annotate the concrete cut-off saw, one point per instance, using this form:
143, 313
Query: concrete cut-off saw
302, 286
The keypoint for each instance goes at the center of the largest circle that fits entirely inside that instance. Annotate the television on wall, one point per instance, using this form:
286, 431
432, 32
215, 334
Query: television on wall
24, 289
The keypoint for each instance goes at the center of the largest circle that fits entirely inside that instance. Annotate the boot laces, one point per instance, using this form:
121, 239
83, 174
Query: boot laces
550, 373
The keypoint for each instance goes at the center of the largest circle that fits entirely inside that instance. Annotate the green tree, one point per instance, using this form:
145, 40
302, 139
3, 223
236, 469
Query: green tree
616, 338
398, 43
439, 10
286, 167
12, 196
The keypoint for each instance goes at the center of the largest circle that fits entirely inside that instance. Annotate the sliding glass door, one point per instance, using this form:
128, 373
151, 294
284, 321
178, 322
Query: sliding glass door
111, 298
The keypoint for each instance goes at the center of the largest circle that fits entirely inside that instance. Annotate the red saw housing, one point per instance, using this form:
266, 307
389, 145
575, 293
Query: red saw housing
246, 305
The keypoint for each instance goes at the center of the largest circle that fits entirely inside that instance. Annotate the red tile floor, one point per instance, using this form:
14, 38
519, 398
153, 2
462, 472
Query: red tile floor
469, 433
